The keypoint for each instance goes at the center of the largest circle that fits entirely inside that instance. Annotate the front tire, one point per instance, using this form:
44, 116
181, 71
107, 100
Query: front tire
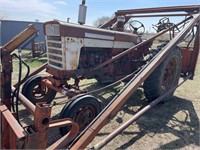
164, 77
33, 91
82, 111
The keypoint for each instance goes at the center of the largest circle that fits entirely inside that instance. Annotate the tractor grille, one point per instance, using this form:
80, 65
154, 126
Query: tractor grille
55, 52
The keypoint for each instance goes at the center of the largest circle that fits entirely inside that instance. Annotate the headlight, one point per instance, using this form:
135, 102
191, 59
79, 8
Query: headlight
52, 29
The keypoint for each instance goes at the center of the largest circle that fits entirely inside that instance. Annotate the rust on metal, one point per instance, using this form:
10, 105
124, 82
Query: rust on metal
70, 92
66, 139
186, 58
102, 143
42, 116
71, 30
117, 102
86, 52
38, 49
27, 104
59, 122
158, 15
195, 52
189, 9
137, 46
41, 122
11, 131
6, 61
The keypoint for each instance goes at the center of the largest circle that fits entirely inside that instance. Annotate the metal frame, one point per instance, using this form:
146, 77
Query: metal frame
13, 135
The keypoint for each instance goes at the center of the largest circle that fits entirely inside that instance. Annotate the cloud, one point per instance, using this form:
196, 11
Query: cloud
28, 6
39, 8
60, 2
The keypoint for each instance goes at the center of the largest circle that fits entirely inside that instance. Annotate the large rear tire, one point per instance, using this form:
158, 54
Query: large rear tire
164, 77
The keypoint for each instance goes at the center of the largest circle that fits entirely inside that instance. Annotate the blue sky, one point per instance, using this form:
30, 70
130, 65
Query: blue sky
45, 10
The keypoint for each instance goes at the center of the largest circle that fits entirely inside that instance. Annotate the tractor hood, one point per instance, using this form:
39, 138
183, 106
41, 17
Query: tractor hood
63, 29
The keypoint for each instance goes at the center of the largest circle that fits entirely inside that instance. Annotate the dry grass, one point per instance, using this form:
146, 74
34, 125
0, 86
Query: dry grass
172, 125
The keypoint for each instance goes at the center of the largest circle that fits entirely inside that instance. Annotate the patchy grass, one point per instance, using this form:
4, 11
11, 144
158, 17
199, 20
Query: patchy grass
33, 63
172, 125
191, 89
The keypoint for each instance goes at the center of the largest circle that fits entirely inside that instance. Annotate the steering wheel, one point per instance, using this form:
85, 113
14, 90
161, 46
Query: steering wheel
136, 27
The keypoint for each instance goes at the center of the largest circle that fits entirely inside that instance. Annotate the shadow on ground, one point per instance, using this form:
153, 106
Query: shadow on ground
176, 117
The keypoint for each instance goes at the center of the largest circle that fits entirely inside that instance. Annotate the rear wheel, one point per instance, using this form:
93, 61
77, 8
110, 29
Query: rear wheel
82, 111
164, 77
35, 92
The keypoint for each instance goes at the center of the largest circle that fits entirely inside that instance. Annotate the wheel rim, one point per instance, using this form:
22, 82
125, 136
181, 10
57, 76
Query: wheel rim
84, 115
170, 74
39, 92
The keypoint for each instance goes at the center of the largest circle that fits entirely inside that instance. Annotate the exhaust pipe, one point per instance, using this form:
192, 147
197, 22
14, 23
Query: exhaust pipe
82, 13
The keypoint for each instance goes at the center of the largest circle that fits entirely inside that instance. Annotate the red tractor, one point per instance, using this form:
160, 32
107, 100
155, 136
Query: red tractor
114, 52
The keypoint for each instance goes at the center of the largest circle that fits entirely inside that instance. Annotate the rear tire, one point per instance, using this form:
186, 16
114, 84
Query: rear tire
164, 77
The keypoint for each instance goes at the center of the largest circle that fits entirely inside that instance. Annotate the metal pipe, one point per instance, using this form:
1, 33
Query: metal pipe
109, 23
83, 2
59, 122
13, 124
158, 15
29, 106
62, 142
137, 116
189, 9
82, 13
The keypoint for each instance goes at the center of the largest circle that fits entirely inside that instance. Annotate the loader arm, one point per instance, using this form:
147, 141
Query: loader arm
6, 62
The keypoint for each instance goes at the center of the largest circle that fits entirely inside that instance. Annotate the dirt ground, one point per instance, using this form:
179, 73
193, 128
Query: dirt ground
172, 125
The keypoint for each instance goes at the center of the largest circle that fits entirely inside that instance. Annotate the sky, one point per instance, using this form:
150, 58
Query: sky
46, 10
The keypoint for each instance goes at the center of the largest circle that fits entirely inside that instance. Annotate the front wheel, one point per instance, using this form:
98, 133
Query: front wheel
164, 77
82, 111
35, 92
